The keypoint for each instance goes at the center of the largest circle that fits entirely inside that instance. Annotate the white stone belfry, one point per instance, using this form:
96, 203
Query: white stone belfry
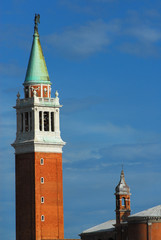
38, 127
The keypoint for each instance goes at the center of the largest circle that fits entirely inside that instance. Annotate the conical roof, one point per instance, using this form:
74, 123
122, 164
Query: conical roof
122, 187
36, 71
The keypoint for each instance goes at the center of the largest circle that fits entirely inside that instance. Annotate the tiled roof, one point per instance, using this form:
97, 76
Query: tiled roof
151, 212
106, 226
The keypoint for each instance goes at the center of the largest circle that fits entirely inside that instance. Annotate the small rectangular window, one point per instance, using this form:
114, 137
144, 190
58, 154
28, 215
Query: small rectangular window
42, 218
21, 122
26, 122
52, 121
42, 199
40, 121
30, 121
42, 180
46, 121
26, 92
42, 161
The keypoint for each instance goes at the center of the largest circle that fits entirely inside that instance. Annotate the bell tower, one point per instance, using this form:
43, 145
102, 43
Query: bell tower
38, 153
122, 193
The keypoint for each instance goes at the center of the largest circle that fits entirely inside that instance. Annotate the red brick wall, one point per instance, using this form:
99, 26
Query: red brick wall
38, 90
155, 231
52, 191
29, 191
25, 197
137, 231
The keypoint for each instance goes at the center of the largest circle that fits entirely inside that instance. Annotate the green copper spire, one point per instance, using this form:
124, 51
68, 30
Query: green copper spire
36, 71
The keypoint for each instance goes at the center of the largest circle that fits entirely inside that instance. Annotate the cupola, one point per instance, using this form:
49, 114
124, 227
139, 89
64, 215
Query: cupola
122, 187
122, 193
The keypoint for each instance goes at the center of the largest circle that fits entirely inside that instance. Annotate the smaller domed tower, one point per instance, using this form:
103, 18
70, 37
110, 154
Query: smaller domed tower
122, 193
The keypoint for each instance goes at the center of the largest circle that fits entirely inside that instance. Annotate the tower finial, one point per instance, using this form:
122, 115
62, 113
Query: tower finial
36, 20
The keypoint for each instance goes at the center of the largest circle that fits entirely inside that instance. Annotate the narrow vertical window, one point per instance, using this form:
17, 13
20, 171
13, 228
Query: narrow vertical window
42, 218
21, 122
26, 92
52, 121
42, 199
26, 122
42, 161
46, 121
123, 201
30, 121
40, 121
42, 180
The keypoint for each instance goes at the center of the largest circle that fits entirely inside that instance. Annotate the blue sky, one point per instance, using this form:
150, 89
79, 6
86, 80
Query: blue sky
104, 58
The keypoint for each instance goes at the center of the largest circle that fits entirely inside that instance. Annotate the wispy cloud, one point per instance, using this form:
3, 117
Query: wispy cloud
84, 40
111, 145
135, 34
141, 33
109, 132
151, 151
82, 153
95, 159
145, 33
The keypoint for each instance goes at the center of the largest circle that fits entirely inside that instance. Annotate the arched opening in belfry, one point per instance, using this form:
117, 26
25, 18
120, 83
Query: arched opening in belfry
123, 201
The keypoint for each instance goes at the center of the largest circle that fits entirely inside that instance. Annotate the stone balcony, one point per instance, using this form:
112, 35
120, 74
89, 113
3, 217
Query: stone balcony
50, 102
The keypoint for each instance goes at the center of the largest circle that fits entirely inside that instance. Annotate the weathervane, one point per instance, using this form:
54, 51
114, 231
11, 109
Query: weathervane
36, 20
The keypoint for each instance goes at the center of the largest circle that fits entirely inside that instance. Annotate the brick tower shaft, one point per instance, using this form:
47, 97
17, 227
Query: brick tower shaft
38, 154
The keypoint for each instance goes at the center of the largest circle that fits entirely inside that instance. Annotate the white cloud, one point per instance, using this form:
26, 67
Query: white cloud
141, 33
151, 151
85, 40
111, 144
110, 129
82, 153
134, 34
145, 33
108, 132
114, 155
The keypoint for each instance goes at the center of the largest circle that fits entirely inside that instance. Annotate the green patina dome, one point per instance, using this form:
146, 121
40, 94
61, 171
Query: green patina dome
37, 72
